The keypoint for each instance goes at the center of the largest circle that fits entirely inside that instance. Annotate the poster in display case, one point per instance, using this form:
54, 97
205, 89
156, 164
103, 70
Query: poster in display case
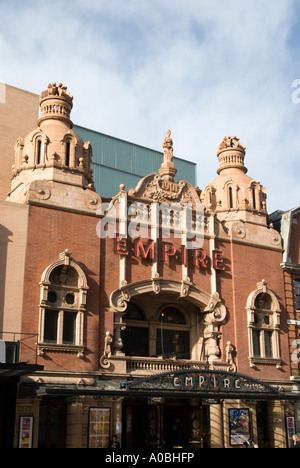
25, 431
239, 426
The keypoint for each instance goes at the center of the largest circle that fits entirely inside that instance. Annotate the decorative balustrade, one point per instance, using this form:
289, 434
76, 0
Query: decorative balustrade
157, 365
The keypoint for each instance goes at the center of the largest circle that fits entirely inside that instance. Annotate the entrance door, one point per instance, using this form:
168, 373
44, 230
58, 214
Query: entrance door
171, 424
52, 424
176, 426
8, 392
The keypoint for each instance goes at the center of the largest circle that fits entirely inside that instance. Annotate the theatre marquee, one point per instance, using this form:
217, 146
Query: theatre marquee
201, 383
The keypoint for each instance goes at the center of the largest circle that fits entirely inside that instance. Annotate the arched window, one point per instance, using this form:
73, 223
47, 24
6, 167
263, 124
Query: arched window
172, 338
254, 198
38, 156
68, 150
263, 325
230, 197
257, 196
167, 335
135, 337
172, 315
62, 307
68, 153
38, 152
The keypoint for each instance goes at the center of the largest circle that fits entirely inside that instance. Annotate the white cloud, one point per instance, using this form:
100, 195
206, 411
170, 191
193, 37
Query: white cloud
203, 69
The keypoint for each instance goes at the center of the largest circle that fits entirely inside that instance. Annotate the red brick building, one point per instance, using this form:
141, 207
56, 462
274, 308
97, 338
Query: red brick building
158, 315
288, 224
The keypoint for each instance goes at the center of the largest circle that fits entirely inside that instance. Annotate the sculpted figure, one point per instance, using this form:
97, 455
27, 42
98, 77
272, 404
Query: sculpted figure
168, 147
231, 142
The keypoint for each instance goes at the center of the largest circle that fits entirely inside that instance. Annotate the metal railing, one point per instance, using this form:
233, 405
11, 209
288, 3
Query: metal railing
26, 343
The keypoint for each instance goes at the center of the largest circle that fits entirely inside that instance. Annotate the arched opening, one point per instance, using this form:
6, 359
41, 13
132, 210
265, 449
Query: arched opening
263, 325
159, 331
230, 198
135, 337
172, 341
182, 317
39, 152
68, 153
62, 307
254, 198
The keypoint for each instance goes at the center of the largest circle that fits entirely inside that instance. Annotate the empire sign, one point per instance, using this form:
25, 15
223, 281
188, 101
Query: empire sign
201, 382
147, 251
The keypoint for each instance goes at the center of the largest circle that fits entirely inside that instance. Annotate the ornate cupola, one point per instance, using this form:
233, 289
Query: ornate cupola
52, 163
236, 201
231, 153
233, 194
56, 104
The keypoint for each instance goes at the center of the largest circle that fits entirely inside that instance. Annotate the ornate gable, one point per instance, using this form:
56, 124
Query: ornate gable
161, 187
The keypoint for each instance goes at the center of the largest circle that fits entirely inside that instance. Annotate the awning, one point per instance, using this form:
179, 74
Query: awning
8, 371
203, 384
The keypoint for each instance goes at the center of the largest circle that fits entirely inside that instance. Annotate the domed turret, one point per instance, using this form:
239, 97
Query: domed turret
233, 192
52, 162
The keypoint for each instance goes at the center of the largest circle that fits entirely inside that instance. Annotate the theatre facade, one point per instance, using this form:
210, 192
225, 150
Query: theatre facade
158, 315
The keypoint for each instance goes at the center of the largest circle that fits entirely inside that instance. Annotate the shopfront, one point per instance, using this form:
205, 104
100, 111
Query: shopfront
10, 375
199, 408
156, 422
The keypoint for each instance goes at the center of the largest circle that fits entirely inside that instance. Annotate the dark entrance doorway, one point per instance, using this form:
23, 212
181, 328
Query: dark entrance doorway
52, 424
8, 393
150, 423
176, 427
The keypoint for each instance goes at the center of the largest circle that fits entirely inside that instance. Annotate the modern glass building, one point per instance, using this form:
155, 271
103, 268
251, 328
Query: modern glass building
118, 162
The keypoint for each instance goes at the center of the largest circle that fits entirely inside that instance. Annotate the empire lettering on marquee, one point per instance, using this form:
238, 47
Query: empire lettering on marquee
212, 382
147, 251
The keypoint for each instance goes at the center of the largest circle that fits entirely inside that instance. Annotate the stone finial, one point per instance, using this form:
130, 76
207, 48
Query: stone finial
60, 90
231, 153
230, 142
168, 170
168, 147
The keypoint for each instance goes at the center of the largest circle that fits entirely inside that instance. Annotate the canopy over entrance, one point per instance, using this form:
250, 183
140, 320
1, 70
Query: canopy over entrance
202, 384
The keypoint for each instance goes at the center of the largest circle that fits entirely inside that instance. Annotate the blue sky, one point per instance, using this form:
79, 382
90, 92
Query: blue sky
204, 69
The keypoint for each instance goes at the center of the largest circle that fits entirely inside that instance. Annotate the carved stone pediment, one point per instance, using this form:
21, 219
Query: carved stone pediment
153, 188
162, 188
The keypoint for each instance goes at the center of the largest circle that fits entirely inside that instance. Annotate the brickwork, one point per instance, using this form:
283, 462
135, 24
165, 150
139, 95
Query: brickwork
59, 230
245, 267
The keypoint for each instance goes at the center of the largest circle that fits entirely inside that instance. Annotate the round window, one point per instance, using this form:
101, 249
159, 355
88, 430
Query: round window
70, 299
